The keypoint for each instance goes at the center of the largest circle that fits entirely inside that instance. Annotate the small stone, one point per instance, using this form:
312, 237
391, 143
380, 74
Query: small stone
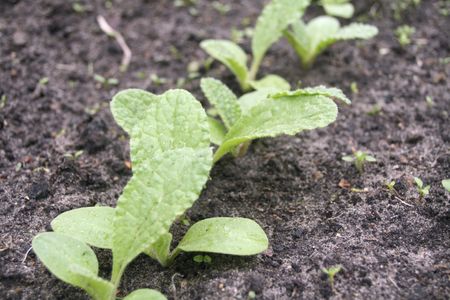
20, 38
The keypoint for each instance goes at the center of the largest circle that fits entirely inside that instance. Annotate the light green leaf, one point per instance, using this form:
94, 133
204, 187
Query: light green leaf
91, 225
235, 236
179, 123
418, 181
271, 81
348, 158
231, 55
446, 184
73, 262
320, 33
161, 249
275, 18
145, 294
370, 158
223, 99
283, 115
247, 101
218, 131
320, 90
344, 10
171, 144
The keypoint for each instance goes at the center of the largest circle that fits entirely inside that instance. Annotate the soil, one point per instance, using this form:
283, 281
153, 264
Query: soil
298, 188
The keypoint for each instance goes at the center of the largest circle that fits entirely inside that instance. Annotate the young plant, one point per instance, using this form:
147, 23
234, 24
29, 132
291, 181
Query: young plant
310, 40
171, 159
338, 8
274, 19
359, 158
446, 184
266, 114
423, 190
404, 34
331, 273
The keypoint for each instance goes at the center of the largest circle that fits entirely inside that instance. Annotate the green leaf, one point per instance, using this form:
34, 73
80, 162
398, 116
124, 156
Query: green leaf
275, 18
160, 123
348, 158
161, 249
446, 184
217, 130
171, 146
341, 9
231, 55
419, 182
91, 225
316, 91
320, 33
370, 158
73, 262
235, 236
283, 115
249, 100
145, 294
271, 81
223, 99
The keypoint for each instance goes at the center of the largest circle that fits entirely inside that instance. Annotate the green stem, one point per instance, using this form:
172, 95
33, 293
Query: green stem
171, 257
254, 69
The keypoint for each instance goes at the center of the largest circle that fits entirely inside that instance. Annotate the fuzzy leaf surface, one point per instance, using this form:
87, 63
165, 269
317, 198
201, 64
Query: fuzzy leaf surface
73, 262
249, 100
275, 18
91, 225
316, 91
171, 146
234, 236
338, 8
271, 81
145, 294
217, 130
282, 115
230, 54
223, 99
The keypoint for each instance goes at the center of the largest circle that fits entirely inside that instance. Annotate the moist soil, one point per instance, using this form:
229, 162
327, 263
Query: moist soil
318, 211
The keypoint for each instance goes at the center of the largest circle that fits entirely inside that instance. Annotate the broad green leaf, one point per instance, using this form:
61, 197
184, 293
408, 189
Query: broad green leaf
218, 131
271, 81
275, 18
247, 101
446, 184
316, 91
91, 225
283, 115
73, 262
171, 145
320, 33
223, 99
235, 236
230, 54
145, 294
179, 123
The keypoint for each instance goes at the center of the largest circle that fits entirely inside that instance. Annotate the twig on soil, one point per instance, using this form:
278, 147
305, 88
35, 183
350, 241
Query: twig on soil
120, 40
407, 204
173, 287
26, 255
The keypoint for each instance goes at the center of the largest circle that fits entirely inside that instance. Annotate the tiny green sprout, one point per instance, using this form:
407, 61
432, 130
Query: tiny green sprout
43, 81
338, 8
446, 184
74, 155
310, 40
430, 101
400, 6
274, 19
251, 295
354, 87
3, 101
157, 80
423, 190
375, 110
359, 158
171, 158
391, 185
78, 7
269, 111
222, 8
202, 259
18, 166
140, 75
331, 273
106, 82
193, 69
404, 34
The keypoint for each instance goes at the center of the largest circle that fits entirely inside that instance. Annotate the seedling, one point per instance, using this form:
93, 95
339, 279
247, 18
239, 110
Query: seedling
310, 40
73, 155
202, 259
274, 19
171, 161
446, 184
331, 273
359, 158
3, 101
354, 87
266, 113
391, 185
223, 9
404, 34
106, 82
155, 79
423, 190
338, 8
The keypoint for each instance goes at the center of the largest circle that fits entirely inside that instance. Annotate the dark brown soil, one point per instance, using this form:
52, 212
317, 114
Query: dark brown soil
389, 247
